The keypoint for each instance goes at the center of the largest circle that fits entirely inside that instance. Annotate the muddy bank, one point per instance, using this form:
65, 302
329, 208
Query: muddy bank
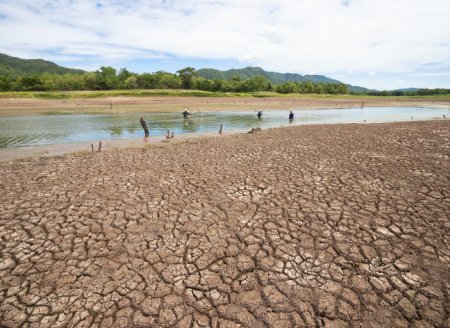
53, 150
32, 106
306, 226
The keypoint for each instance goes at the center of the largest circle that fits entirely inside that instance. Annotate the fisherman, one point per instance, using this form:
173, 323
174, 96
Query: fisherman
259, 114
291, 115
186, 113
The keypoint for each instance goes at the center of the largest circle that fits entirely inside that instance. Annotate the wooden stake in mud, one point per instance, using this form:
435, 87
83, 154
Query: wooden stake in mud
100, 145
144, 126
220, 130
92, 146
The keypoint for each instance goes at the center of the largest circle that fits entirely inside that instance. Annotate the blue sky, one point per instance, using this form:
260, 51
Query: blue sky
382, 44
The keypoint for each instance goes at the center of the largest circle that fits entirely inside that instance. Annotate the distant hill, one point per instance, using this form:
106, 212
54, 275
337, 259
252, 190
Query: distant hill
17, 66
274, 77
356, 89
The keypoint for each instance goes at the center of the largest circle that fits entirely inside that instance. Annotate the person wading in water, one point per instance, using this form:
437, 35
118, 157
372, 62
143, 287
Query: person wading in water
186, 113
291, 115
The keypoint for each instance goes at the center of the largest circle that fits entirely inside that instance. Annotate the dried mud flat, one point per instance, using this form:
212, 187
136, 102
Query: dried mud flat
309, 226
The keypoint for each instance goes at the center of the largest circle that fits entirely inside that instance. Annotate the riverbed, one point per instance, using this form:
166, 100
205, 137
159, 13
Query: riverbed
37, 130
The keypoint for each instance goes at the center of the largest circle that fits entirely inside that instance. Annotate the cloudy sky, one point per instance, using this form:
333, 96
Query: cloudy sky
383, 44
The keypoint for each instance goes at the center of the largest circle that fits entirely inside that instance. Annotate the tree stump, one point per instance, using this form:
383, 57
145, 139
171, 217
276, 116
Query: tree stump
144, 126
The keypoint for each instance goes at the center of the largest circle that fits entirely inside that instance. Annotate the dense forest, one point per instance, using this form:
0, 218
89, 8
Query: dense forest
18, 74
108, 78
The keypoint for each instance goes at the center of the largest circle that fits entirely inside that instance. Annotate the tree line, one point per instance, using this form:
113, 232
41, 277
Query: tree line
108, 78
418, 92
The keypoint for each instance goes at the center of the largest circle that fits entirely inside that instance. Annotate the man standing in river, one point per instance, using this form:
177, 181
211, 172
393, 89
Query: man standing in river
186, 113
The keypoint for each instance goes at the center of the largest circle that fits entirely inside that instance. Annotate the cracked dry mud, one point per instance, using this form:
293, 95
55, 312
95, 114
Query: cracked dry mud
310, 226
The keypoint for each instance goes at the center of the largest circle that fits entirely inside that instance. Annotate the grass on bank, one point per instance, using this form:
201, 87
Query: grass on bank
188, 93
126, 93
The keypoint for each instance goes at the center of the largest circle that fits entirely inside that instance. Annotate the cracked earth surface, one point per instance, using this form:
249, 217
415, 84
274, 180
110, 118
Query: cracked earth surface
309, 226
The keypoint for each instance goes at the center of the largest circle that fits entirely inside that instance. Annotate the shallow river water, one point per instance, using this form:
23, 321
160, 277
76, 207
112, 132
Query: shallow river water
55, 129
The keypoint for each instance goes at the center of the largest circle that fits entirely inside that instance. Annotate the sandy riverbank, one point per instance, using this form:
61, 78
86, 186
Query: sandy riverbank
121, 104
305, 226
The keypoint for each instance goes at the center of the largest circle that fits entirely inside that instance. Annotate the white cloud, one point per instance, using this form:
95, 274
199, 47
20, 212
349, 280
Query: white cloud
432, 74
324, 36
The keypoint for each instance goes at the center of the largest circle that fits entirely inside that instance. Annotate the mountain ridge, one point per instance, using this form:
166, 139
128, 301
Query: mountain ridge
252, 71
273, 77
10, 65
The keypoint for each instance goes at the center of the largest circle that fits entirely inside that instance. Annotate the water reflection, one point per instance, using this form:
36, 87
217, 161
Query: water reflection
189, 126
115, 130
52, 129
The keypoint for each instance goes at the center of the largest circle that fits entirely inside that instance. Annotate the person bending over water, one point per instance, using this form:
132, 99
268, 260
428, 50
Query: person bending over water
291, 115
186, 113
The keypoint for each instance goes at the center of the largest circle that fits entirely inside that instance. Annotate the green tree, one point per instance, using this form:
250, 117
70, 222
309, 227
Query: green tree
203, 84
31, 83
48, 81
70, 82
130, 83
218, 85
309, 87
257, 83
90, 81
106, 78
318, 88
186, 75
7, 83
167, 80
289, 87
122, 77
146, 81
